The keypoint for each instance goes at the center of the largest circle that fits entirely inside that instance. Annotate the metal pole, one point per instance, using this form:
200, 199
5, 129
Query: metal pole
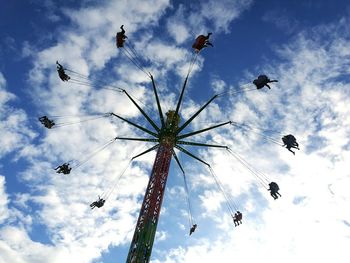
146, 226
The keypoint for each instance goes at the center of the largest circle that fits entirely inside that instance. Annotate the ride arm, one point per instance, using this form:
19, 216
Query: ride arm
190, 154
158, 103
137, 139
202, 144
179, 101
143, 112
147, 151
203, 130
134, 124
195, 115
178, 162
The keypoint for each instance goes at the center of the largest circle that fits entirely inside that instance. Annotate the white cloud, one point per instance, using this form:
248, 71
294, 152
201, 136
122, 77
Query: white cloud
13, 123
281, 20
4, 95
218, 85
190, 21
211, 201
177, 26
161, 236
4, 213
311, 99
178, 31
17, 246
222, 13
62, 202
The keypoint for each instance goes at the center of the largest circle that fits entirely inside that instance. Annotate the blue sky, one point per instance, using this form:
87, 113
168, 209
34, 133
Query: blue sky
45, 217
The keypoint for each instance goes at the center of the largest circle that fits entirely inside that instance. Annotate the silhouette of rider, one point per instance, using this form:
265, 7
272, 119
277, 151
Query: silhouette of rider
120, 37
274, 190
193, 228
262, 81
99, 203
64, 168
290, 142
61, 73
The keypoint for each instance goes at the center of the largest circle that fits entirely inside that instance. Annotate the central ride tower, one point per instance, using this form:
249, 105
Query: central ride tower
142, 241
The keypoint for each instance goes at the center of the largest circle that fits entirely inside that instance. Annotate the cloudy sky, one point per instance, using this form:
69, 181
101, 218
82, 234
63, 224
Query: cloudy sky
45, 216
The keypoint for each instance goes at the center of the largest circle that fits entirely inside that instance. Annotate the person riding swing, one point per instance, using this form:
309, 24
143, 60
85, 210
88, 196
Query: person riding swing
99, 203
46, 122
274, 188
120, 37
290, 142
61, 73
201, 42
237, 219
64, 168
262, 81
193, 228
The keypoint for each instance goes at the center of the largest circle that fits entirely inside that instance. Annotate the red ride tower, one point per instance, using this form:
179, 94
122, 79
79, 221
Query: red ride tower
142, 241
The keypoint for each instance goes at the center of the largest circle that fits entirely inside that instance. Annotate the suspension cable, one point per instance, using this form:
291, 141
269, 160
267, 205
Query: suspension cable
253, 127
141, 102
133, 50
262, 178
259, 174
115, 182
134, 58
78, 78
220, 186
62, 124
231, 92
192, 63
189, 207
252, 130
188, 201
107, 194
89, 83
92, 154
77, 73
70, 116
